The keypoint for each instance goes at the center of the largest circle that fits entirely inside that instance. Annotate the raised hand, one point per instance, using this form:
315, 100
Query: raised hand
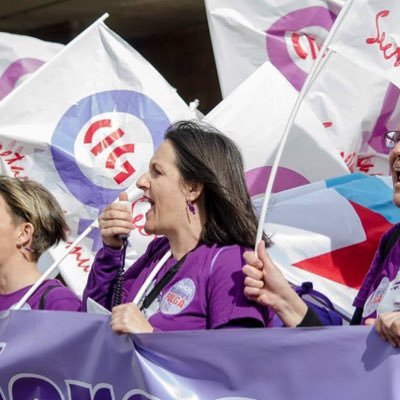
116, 219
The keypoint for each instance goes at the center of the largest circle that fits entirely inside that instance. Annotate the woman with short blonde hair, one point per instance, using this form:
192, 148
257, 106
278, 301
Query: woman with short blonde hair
31, 221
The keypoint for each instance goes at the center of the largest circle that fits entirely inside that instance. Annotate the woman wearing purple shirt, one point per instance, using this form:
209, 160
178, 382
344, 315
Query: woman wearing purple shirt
31, 221
199, 204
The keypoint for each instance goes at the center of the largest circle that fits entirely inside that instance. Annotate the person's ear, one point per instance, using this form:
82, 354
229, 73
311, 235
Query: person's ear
194, 191
25, 234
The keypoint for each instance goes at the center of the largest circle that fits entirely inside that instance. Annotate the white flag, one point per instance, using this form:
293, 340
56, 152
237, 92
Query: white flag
86, 126
369, 37
20, 56
288, 33
355, 105
254, 116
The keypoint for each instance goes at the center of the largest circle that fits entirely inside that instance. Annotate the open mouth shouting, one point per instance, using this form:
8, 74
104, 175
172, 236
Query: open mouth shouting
151, 202
396, 174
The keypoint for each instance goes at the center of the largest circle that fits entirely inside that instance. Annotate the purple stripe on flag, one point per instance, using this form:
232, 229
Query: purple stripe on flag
295, 21
257, 179
377, 140
15, 71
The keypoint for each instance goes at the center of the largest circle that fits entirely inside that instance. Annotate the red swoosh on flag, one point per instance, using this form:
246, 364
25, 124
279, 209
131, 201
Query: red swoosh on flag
349, 264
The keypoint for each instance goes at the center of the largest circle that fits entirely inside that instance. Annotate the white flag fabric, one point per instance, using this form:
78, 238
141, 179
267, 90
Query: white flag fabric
327, 232
254, 116
288, 33
86, 126
355, 105
20, 56
369, 37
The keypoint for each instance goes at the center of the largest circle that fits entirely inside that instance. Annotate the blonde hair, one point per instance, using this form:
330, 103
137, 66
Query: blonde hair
29, 201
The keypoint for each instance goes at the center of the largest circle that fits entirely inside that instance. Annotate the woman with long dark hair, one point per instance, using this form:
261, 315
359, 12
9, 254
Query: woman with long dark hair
190, 277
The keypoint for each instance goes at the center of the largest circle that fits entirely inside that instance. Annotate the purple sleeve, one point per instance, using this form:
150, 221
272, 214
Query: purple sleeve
63, 299
373, 271
99, 286
226, 300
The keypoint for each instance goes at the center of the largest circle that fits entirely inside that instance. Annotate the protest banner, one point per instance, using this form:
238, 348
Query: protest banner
80, 358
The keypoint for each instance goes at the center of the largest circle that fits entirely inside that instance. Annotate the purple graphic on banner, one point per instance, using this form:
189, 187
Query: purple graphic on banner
383, 123
295, 22
15, 71
76, 356
76, 117
257, 179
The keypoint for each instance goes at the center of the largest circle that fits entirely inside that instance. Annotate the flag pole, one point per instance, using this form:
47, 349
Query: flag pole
53, 266
315, 69
132, 191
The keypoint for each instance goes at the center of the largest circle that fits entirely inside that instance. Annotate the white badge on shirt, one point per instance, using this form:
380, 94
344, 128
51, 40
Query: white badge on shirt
178, 297
391, 298
372, 303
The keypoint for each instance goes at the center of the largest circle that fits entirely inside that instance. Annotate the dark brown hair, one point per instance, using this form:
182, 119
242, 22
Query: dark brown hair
204, 155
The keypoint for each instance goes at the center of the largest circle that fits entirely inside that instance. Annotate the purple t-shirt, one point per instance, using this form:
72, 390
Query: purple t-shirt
58, 297
205, 293
380, 290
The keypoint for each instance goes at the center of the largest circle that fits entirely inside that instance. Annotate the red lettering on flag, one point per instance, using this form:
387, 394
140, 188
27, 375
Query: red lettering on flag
380, 38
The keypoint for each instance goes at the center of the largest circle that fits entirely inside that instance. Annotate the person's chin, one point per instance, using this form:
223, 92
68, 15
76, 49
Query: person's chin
149, 229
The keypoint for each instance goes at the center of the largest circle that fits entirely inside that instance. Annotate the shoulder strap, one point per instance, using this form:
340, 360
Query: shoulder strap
391, 240
42, 300
161, 284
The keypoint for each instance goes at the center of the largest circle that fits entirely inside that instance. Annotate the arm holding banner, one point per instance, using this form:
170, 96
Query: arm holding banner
387, 326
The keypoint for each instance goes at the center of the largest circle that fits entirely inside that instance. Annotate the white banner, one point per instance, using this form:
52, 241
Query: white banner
254, 116
86, 126
20, 56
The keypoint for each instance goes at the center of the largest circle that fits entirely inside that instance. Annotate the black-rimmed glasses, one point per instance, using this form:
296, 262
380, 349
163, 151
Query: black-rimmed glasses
391, 139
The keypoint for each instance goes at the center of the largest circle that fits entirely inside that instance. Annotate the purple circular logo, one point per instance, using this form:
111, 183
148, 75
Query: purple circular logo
88, 119
295, 22
17, 69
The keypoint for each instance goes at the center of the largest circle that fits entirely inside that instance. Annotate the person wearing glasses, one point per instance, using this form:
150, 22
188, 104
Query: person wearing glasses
378, 300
